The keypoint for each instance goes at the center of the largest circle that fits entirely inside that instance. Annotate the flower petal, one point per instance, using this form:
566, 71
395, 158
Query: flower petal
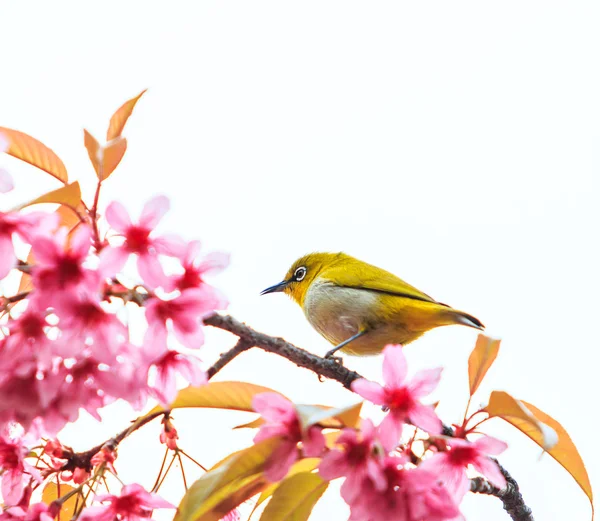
214, 263
151, 271
424, 417
490, 470
273, 407
313, 442
112, 261
425, 381
390, 430
8, 258
333, 465
153, 211
490, 445
394, 365
281, 460
371, 391
6, 181
117, 217
171, 245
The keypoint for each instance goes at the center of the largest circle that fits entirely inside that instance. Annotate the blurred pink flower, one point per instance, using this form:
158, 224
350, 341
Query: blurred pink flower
83, 322
185, 312
138, 241
357, 458
169, 435
409, 495
59, 262
450, 466
6, 181
167, 363
281, 420
15, 470
22, 224
35, 512
133, 504
402, 399
195, 267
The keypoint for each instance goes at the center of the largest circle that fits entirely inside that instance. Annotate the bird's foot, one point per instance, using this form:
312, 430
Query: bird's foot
337, 359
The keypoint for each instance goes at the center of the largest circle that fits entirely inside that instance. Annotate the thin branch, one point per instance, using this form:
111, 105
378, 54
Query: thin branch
242, 345
510, 496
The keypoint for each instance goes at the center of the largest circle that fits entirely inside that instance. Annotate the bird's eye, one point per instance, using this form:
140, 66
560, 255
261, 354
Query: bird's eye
300, 273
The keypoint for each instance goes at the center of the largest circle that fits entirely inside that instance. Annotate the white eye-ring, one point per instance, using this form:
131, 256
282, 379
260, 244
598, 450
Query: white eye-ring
300, 273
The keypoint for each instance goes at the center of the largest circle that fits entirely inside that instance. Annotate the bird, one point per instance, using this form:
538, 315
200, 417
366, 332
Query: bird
360, 308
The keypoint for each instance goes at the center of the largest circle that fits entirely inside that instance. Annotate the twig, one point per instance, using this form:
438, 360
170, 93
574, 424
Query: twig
510, 496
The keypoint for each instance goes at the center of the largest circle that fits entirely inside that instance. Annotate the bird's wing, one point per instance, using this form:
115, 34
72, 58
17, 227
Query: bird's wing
361, 275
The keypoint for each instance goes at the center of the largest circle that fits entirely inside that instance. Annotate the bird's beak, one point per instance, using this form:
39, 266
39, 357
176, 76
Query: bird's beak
277, 287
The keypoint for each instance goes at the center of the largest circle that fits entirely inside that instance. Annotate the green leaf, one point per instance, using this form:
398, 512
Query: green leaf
303, 465
295, 498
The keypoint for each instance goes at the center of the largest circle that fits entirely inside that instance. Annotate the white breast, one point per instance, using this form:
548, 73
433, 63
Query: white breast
335, 312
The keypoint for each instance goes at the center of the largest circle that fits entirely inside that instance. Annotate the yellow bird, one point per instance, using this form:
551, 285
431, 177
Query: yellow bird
360, 308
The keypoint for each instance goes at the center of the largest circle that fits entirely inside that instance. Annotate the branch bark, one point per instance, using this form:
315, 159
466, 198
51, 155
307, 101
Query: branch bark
511, 497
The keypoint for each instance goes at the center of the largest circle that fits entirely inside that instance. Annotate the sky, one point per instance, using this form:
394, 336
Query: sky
452, 143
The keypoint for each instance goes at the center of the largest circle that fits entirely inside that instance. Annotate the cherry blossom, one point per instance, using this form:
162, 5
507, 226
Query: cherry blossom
169, 435
450, 466
6, 181
133, 504
15, 470
409, 495
185, 313
138, 241
59, 262
196, 267
25, 226
281, 420
35, 512
400, 397
358, 456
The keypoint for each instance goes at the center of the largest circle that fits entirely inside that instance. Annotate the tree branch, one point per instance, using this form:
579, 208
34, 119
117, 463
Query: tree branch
510, 496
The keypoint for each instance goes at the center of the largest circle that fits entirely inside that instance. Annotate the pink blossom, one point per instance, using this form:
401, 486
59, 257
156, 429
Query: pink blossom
167, 367
185, 313
133, 504
6, 181
138, 241
59, 262
410, 495
195, 267
281, 420
15, 470
84, 322
450, 466
35, 512
106, 456
169, 435
357, 458
402, 399
25, 226
232, 515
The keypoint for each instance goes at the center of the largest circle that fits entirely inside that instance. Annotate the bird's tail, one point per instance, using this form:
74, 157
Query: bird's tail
460, 317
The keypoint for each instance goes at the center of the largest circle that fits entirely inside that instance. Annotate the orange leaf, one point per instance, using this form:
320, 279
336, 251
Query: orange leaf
120, 117
524, 417
113, 153
32, 151
52, 492
69, 195
104, 158
481, 359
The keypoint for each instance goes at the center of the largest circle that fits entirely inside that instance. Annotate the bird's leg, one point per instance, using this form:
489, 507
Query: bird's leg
331, 352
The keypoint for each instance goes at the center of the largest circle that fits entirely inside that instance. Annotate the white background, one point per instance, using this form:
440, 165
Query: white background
453, 143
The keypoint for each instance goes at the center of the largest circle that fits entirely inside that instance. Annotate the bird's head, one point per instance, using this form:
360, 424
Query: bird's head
302, 274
